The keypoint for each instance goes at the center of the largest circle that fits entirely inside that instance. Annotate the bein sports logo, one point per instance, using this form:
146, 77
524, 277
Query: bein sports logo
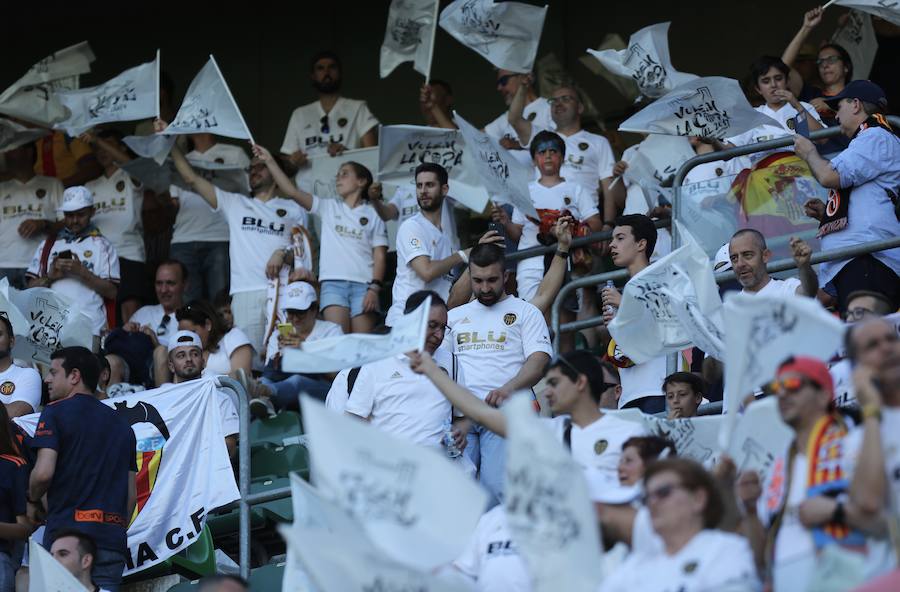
150, 444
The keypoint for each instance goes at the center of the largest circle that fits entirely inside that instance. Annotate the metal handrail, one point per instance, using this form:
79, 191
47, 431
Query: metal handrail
592, 238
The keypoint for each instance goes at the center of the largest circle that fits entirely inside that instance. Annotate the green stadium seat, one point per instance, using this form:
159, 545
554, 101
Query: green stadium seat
261, 515
267, 578
279, 461
275, 429
196, 561
281, 510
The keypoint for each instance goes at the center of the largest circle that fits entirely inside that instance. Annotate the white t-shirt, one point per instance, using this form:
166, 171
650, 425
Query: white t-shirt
779, 288
890, 443
36, 199
256, 229
493, 342
321, 329
842, 376
644, 539
20, 384
491, 557
564, 196
228, 414
348, 121
598, 445
117, 201
401, 402
712, 560
785, 116
99, 256
642, 380
589, 159
219, 362
407, 205
196, 221
152, 315
706, 171
537, 112
348, 237
417, 237
337, 396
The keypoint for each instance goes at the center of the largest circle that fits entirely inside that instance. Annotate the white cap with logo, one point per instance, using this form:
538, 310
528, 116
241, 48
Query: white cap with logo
185, 339
723, 259
76, 198
299, 296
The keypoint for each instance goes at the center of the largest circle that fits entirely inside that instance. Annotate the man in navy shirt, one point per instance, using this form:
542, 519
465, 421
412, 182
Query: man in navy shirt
85, 463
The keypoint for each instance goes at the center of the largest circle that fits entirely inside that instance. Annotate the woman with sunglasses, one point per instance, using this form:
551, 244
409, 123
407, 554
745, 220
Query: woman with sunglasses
685, 508
353, 253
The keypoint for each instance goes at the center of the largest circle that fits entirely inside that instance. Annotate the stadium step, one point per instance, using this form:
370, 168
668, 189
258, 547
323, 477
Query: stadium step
280, 430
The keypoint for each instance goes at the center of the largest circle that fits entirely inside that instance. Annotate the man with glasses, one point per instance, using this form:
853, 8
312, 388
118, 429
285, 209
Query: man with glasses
158, 320
536, 110
803, 502
390, 396
331, 123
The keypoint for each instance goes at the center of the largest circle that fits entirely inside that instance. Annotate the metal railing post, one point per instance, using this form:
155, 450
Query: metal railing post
243, 472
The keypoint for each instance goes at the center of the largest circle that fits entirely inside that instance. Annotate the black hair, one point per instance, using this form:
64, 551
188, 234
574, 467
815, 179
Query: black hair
82, 359
845, 58
363, 173
417, 298
325, 54
7, 443
198, 312
883, 304
222, 299
650, 447
4, 318
697, 384
584, 362
642, 228
179, 264
166, 84
104, 363
485, 254
547, 136
433, 167
86, 544
763, 64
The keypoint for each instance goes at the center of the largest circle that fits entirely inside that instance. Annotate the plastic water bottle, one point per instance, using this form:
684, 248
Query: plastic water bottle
449, 441
609, 308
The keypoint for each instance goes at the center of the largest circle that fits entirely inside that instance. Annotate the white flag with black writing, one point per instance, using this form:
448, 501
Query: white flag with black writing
159, 177
669, 306
13, 135
409, 36
506, 34
53, 321
655, 161
130, 96
333, 354
646, 61
761, 332
412, 501
548, 509
711, 107
857, 36
503, 176
46, 573
401, 148
208, 107
33, 96
888, 10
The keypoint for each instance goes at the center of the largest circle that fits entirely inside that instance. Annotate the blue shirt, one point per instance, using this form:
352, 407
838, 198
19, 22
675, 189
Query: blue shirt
13, 482
96, 450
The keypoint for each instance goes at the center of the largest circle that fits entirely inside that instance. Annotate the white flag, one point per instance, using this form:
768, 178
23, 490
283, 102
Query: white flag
130, 96
646, 61
760, 437
503, 176
761, 332
711, 107
655, 161
159, 177
506, 34
857, 36
648, 323
18, 321
889, 10
13, 135
32, 97
409, 36
154, 146
614, 42
333, 354
412, 501
53, 322
47, 574
401, 148
549, 512
208, 107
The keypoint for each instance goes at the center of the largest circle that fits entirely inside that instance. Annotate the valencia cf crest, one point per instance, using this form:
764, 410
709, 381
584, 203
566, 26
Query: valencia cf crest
120, 186
567, 200
509, 318
600, 446
583, 146
41, 193
690, 567
531, 116
281, 213
790, 123
719, 171
7, 388
220, 160
88, 254
149, 451
342, 122
363, 221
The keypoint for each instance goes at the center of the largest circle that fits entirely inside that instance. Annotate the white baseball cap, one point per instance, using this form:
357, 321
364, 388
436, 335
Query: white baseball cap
76, 198
723, 259
299, 296
185, 339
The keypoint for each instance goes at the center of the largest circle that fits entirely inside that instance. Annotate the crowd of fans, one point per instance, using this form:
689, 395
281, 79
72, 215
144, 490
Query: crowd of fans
241, 276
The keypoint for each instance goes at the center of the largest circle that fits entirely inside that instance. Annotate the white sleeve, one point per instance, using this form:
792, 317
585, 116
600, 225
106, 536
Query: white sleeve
469, 561
364, 121
379, 231
606, 158
518, 217
586, 205
108, 264
535, 334
227, 414
291, 137
336, 400
319, 207
233, 340
410, 243
28, 389
362, 399
225, 200
55, 198
35, 267
812, 111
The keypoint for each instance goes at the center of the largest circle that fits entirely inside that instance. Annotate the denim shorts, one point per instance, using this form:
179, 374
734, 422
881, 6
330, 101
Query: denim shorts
343, 293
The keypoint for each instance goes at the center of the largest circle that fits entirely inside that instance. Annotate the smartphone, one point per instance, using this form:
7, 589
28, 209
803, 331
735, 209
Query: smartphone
498, 228
285, 329
64, 254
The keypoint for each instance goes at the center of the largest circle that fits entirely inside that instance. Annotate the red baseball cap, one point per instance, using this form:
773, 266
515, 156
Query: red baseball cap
813, 369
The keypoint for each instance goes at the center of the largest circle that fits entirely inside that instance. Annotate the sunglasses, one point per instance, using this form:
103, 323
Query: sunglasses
661, 493
789, 385
857, 314
504, 79
325, 127
828, 60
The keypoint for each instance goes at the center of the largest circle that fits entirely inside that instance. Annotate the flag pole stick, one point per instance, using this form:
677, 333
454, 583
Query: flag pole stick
230, 96
829, 3
157, 83
434, 25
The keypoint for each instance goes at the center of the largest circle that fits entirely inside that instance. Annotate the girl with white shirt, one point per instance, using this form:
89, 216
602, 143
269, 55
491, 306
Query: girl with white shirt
353, 244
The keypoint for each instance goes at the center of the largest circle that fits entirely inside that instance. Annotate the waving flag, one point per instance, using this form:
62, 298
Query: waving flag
889, 10
13, 135
711, 107
857, 36
646, 61
409, 36
46, 573
130, 96
505, 33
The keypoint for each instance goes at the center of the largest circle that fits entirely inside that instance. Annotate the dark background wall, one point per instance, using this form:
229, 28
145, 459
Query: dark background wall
264, 48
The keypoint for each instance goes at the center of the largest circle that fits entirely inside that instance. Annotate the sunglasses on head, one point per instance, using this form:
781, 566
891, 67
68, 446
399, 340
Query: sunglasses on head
789, 385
